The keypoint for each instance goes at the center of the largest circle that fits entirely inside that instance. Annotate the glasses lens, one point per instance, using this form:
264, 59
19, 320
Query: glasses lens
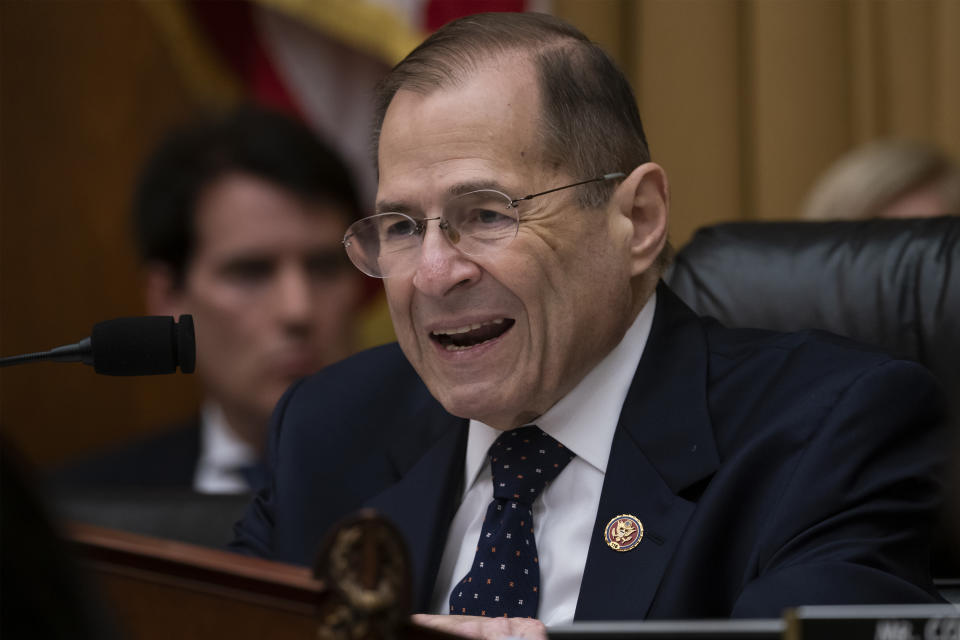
383, 244
388, 244
483, 220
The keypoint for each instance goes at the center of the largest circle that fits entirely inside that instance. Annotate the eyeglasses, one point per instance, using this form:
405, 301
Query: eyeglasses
477, 223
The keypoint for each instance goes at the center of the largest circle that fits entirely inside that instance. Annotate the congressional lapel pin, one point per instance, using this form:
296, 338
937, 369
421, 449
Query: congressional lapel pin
623, 532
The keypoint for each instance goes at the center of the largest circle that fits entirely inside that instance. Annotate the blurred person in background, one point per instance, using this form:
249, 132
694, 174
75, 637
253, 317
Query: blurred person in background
886, 179
238, 221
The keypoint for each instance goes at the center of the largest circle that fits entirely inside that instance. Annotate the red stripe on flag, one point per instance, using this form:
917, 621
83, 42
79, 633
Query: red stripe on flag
440, 12
230, 29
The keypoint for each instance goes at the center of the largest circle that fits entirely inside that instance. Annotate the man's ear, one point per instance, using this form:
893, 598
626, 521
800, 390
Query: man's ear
164, 295
644, 198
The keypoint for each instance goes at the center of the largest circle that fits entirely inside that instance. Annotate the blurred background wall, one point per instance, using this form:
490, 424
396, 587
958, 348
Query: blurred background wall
745, 103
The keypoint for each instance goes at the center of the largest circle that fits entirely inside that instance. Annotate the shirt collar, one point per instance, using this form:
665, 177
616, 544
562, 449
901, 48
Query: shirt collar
222, 448
585, 419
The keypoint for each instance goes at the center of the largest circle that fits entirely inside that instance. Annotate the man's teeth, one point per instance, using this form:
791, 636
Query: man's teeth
465, 329
471, 335
453, 347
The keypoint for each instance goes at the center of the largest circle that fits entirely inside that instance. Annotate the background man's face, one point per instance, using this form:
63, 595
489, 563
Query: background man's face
551, 304
270, 290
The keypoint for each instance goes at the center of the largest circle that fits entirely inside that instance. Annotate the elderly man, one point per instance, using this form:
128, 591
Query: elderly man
557, 435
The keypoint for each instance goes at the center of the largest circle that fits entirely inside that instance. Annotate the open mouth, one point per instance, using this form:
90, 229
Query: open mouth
460, 338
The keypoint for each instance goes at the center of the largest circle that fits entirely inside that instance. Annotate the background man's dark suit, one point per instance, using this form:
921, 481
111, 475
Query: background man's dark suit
167, 460
768, 470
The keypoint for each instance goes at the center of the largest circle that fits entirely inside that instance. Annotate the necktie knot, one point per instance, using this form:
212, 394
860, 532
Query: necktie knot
523, 461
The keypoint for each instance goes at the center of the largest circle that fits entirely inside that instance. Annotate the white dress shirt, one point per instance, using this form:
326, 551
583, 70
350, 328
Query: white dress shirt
222, 452
584, 421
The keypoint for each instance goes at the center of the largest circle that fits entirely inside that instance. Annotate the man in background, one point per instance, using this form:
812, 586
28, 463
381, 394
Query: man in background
239, 222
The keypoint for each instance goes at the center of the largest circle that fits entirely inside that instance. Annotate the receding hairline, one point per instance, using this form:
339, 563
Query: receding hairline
454, 52
468, 64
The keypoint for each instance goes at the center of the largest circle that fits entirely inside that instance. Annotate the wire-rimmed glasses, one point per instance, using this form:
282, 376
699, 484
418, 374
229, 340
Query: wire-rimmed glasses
478, 222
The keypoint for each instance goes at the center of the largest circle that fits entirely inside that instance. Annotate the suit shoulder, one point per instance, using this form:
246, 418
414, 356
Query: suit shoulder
807, 379
366, 373
384, 361
371, 387
809, 348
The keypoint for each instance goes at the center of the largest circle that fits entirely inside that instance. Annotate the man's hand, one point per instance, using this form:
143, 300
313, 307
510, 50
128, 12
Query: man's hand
484, 628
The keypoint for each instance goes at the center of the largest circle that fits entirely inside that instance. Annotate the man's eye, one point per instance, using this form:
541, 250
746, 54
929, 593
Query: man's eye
249, 270
328, 264
400, 228
489, 217
481, 220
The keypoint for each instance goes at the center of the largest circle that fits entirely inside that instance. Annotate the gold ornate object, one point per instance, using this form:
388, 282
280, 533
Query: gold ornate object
337, 623
365, 562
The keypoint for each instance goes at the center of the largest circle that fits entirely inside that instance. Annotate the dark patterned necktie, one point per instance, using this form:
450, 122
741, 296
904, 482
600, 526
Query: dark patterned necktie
505, 577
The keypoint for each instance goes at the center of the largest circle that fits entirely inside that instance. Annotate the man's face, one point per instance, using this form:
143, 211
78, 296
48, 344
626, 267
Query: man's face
551, 304
271, 294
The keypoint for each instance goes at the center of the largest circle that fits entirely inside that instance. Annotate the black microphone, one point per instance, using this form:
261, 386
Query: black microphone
128, 347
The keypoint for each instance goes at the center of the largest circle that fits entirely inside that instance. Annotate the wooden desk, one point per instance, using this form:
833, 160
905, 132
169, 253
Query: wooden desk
164, 589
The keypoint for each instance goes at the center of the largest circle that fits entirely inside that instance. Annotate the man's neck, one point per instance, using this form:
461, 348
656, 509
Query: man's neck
251, 429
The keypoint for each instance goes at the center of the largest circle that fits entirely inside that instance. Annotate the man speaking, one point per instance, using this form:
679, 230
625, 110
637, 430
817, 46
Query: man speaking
558, 436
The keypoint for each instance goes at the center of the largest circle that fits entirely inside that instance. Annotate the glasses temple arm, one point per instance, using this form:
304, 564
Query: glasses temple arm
606, 176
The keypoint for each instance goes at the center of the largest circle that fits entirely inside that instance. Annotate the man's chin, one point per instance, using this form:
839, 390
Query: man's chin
479, 401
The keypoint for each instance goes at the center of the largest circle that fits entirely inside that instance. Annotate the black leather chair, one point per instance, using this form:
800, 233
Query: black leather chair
893, 283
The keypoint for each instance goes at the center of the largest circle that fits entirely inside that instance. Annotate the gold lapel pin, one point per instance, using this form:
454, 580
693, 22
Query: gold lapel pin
623, 532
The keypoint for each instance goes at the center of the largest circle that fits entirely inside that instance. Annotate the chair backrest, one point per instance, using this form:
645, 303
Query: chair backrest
892, 283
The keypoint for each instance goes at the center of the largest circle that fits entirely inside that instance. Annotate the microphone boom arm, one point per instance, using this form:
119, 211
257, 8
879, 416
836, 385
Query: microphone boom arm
79, 352
127, 347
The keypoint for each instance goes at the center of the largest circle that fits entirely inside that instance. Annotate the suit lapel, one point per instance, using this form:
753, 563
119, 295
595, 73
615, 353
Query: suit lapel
422, 503
663, 444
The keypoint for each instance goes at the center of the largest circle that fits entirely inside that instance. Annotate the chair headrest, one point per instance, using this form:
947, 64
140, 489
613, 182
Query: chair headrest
892, 283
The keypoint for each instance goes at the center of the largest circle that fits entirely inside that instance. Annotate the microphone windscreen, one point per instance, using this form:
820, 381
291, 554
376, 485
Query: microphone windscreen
186, 344
135, 346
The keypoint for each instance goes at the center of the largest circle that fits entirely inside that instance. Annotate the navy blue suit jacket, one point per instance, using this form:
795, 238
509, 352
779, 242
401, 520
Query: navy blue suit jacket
768, 470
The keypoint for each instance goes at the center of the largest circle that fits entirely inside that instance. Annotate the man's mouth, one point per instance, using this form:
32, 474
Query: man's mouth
467, 336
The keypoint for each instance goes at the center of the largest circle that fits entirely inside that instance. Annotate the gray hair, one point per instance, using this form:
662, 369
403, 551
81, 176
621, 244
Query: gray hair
589, 122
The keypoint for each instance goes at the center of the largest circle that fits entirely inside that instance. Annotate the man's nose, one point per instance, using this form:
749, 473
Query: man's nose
294, 298
441, 266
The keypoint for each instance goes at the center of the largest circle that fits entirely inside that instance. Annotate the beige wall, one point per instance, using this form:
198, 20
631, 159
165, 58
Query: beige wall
745, 102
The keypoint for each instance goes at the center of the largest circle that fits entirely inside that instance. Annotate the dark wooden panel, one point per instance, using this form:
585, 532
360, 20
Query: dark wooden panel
85, 90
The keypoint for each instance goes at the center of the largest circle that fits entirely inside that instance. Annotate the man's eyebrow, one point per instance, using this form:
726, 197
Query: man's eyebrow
458, 189
474, 185
386, 206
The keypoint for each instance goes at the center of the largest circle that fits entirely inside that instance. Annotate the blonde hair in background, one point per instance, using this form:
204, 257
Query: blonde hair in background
866, 181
